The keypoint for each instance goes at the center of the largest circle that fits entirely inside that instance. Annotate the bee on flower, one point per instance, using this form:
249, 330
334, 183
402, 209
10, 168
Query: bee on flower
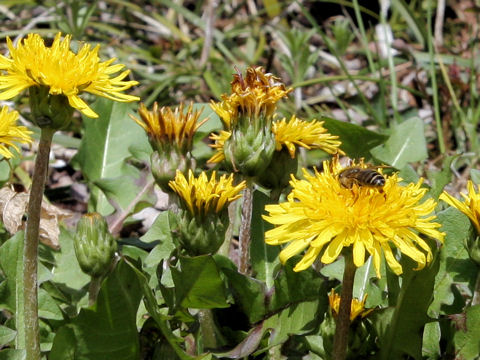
323, 217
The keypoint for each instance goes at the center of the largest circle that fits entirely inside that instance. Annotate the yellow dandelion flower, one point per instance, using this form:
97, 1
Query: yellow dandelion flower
167, 126
31, 63
202, 195
256, 93
357, 307
308, 134
11, 133
323, 217
471, 205
219, 143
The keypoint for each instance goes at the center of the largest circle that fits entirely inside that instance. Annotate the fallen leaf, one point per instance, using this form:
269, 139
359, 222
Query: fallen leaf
13, 206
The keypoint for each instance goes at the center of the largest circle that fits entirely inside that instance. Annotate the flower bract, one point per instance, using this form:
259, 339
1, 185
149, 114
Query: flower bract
63, 72
11, 134
322, 217
471, 205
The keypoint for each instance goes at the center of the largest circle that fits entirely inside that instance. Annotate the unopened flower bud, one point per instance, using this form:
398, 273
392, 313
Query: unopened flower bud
201, 235
250, 151
94, 245
165, 164
473, 248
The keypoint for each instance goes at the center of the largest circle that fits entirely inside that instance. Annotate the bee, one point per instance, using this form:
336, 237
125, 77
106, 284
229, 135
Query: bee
368, 177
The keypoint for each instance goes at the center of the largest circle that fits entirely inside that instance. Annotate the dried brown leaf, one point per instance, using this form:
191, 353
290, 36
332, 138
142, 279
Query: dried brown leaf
13, 206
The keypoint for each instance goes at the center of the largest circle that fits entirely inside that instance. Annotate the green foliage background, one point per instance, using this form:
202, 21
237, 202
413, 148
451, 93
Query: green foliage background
150, 304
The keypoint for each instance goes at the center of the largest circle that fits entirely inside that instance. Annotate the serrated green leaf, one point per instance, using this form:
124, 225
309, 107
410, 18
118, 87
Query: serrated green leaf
406, 144
63, 347
263, 257
356, 140
160, 229
11, 260
47, 307
108, 329
466, 339
438, 179
6, 335
295, 287
297, 319
67, 271
11, 294
105, 146
403, 334
455, 265
431, 341
160, 319
248, 293
198, 283
122, 190
11, 354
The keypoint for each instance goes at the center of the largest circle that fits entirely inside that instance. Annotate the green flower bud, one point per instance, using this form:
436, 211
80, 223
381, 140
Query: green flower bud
473, 248
277, 175
250, 151
200, 235
49, 111
94, 245
165, 164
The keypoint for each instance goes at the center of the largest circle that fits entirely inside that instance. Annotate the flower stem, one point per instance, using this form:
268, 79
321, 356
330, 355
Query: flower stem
245, 228
30, 248
207, 326
340, 340
94, 289
476, 291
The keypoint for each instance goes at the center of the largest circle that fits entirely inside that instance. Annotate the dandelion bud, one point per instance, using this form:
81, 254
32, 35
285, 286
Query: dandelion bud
94, 245
473, 248
165, 164
202, 218
250, 151
49, 111
201, 235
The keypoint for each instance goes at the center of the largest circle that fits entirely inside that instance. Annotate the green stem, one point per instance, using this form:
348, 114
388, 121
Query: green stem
30, 249
476, 291
94, 289
207, 326
340, 340
245, 229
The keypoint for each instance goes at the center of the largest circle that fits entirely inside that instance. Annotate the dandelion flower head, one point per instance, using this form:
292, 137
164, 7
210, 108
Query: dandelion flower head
253, 95
471, 205
11, 134
31, 63
322, 217
167, 127
203, 196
